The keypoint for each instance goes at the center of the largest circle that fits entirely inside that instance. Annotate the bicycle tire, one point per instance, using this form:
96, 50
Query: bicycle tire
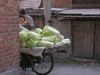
49, 69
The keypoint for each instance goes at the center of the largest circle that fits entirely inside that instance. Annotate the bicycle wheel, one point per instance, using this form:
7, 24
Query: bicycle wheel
45, 64
24, 61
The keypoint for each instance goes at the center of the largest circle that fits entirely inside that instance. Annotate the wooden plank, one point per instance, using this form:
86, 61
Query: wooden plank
83, 38
97, 40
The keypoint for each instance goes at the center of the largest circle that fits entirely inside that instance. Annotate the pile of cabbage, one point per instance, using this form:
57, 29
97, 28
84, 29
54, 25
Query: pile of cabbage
48, 37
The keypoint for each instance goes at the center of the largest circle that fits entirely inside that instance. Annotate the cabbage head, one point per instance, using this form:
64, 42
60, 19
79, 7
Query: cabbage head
59, 38
48, 31
23, 44
34, 35
46, 44
32, 43
38, 30
63, 42
23, 36
66, 41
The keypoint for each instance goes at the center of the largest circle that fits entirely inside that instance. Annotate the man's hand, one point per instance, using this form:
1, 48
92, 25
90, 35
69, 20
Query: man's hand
26, 23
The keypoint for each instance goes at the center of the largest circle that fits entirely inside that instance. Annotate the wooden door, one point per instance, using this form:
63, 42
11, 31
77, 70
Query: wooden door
83, 38
97, 40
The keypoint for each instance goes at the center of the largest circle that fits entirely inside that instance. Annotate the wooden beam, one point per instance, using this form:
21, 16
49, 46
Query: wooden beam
47, 10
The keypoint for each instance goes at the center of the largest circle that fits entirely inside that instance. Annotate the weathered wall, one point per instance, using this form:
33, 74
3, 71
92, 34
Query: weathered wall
64, 26
9, 46
38, 20
30, 3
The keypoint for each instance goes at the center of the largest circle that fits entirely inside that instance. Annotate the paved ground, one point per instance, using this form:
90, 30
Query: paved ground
73, 69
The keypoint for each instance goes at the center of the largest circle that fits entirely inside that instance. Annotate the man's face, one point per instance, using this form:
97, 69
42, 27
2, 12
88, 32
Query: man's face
21, 20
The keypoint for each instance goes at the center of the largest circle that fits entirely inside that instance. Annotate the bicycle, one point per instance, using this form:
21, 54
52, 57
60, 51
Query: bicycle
41, 65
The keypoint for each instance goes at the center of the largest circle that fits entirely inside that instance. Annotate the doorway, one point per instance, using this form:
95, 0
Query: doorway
86, 38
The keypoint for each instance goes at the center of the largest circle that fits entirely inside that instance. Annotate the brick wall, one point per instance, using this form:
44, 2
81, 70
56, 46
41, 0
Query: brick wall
9, 48
62, 3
